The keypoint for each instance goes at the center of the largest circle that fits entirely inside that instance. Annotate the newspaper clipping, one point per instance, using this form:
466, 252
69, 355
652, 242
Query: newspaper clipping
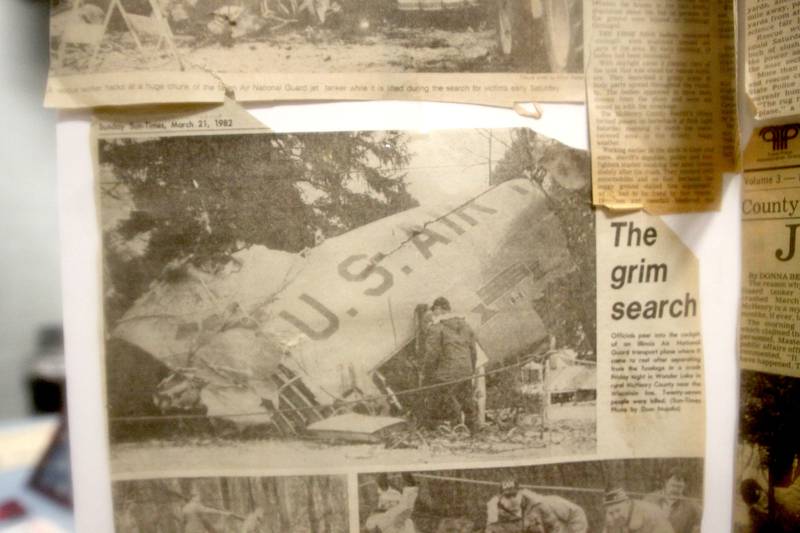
772, 57
661, 97
768, 493
656, 495
497, 52
395, 309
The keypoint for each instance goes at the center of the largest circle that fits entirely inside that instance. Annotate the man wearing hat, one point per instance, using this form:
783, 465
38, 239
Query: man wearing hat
519, 510
624, 515
449, 356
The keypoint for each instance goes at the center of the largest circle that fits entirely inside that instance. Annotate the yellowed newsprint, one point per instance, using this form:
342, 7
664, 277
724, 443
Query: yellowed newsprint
767, 487
772, 57
496, 52
388, 331
661, 97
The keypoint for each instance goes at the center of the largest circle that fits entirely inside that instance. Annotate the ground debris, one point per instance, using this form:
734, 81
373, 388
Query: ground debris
260, 47
497, 436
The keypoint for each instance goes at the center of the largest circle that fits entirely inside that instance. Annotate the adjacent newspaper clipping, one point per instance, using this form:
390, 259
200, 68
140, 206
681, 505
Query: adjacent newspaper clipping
662, 103
389, 331
772, 57
498, 52
768, 493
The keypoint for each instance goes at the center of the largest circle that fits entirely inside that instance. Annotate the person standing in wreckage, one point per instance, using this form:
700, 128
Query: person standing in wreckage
449, 358
519, 510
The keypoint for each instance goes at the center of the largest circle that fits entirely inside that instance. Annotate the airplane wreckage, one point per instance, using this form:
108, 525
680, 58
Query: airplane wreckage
309, 343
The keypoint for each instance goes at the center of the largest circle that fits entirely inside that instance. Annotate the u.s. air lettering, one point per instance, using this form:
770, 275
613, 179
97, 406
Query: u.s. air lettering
314, 334
361, 268
371, 269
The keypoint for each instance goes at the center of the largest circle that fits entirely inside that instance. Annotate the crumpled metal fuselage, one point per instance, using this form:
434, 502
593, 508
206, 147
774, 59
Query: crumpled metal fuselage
312, 345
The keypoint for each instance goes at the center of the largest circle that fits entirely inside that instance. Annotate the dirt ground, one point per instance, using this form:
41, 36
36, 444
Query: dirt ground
417, 47
564, 438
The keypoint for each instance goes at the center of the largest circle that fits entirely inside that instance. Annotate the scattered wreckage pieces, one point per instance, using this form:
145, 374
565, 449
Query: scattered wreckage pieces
354, 427
396, 433
233, 21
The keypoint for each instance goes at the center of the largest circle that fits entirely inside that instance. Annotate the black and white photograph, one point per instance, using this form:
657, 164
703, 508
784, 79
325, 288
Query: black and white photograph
311, 300
317, 36
311, 504
767, 474
611, 496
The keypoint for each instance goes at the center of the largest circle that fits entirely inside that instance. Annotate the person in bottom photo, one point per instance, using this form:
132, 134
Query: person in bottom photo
613, 496
232, 504
767, 499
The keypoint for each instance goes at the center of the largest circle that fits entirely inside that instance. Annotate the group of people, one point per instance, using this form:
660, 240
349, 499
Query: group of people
451, 364
667, 510
515, 509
